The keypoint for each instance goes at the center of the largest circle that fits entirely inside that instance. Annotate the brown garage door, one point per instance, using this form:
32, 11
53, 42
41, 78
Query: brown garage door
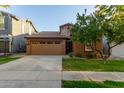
47, 49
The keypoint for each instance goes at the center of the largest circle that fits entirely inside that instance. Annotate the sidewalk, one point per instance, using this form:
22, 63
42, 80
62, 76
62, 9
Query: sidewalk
95, 76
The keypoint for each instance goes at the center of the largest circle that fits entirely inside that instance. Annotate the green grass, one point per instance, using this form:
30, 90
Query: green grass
92, 84
76, 64
4, 60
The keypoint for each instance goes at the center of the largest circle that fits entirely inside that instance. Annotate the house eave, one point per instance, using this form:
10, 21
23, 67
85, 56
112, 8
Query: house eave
47, 37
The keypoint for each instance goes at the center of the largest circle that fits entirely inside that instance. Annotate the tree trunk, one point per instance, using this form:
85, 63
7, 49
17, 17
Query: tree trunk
104, 56
107, 55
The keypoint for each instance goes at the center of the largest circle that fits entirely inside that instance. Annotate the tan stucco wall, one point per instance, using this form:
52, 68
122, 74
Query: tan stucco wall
17, 27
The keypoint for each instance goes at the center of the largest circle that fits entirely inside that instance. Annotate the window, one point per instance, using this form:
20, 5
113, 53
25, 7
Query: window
42, 42
49, 42
57, 42
35, 42
2, 23
88, 47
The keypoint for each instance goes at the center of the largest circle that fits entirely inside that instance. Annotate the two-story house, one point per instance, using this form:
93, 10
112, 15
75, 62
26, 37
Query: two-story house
59, 43
12, 33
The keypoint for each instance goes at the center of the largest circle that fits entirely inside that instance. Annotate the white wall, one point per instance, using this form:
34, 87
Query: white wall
118, 51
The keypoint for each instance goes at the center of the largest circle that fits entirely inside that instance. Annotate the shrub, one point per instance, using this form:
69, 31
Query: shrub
79, 55
70, 54
89, 55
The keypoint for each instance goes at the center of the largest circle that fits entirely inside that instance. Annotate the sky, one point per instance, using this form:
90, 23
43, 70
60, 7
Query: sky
48, 17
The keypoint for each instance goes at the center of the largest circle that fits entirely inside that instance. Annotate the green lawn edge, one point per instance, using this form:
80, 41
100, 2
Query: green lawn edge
92, 84
4, 60
78, 64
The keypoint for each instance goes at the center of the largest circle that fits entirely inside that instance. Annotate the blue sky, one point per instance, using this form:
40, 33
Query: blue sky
49, 18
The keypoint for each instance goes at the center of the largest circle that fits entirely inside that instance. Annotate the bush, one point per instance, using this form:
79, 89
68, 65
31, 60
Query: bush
70, 54
89, 55
79, 55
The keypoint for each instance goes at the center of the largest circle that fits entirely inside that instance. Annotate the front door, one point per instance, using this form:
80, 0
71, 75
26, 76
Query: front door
68, 46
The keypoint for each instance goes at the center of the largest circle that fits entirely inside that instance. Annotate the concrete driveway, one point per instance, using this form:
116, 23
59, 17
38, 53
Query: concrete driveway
32, 71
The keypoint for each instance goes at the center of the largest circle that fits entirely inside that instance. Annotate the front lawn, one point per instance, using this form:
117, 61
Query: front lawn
7, 59
92, 84
77, 64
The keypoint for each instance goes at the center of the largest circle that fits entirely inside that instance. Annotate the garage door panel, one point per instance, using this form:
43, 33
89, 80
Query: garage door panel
47, 49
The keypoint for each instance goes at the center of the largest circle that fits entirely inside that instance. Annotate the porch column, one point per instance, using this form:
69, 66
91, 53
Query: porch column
10, 43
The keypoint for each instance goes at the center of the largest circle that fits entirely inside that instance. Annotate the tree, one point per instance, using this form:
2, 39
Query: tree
106, 21
112, 24
87, 31
4, 6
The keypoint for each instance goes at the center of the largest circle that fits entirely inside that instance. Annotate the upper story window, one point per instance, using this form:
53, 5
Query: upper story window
2, 23
68, 27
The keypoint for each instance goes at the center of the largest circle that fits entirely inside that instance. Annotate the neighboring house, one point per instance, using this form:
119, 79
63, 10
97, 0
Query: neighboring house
12, 33
58, 43
118, 51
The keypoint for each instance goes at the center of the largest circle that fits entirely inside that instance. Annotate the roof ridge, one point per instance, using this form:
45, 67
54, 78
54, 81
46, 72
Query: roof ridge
49, 31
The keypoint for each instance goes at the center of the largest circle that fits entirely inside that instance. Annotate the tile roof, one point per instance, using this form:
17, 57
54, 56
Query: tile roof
47, 34
67, 24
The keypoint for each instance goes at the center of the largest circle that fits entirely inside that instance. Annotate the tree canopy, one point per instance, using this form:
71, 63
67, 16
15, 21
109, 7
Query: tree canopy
107, 20
113, 22
4, 6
